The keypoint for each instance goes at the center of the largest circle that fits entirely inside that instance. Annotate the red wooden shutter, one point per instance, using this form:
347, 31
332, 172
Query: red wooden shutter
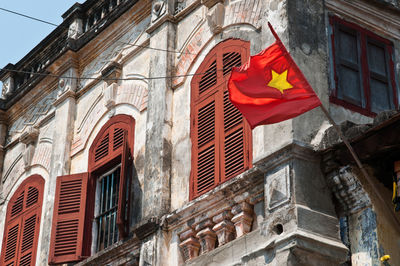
66, 242
220, 136
205, 168
123, 198
235, 155
22, 223
30, 232
9, 251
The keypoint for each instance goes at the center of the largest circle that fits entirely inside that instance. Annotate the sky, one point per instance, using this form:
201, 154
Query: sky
19, 35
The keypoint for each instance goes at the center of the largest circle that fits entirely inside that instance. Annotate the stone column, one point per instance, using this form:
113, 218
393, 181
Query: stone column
60, 157
157, 173
206, 235
3, 135
189, 244
299, 211
224, 228
243, 218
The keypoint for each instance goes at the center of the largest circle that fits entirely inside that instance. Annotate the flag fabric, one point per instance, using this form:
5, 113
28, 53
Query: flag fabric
270, 87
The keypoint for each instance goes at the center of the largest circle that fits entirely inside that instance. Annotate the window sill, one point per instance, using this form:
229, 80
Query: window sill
119, 253
351, 107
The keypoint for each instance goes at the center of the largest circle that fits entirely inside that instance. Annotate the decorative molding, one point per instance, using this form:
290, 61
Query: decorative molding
215, 17
245, 12
67, 86
206, 235
75, 29
371, 17
29, 135
348, 191
92, 116
210, 3
189, 245
88, 113
243, 218
8, 85
111, 73
42, 155
238, 12
134, 94
29, 138
223, 227
11, 168
277, 187
33, 116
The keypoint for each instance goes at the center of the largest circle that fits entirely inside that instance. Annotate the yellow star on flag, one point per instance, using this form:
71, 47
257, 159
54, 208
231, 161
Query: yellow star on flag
279, 81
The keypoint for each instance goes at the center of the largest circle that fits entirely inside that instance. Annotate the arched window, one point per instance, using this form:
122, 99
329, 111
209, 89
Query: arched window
22, 223
221, 138
98, 201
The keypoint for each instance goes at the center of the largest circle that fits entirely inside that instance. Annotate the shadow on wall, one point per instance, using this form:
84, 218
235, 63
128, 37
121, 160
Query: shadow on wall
136, 195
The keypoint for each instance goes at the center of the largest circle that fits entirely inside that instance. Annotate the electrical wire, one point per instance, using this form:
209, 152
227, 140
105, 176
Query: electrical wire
130, 44
26, 16
94, 78
101, 78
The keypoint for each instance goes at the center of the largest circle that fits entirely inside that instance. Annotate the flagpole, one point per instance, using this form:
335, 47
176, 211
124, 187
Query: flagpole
358, 162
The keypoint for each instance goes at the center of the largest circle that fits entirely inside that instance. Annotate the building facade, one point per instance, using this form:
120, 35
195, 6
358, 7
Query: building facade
120, 145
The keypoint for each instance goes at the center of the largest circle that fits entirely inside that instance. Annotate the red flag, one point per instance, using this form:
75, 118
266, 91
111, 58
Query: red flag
270, 87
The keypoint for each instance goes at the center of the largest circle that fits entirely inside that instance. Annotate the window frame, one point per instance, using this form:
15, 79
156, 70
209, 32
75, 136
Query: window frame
201, 98
105, 165
82, 188
363, 37
97, 214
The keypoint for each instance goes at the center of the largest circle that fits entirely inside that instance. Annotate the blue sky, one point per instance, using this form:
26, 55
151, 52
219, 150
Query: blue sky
19, 35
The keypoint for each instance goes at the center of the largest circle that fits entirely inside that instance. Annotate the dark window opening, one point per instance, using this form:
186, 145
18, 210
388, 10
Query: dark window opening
363, 69
107, 205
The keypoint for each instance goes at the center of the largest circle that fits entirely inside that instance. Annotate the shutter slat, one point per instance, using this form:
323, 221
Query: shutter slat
206, 166
232, 115
12, 240
118, 138
206, 122
209, 79
68, 219
26, 260
18, 205
234, 153
28, 233
230, 60
102, 150
33, 195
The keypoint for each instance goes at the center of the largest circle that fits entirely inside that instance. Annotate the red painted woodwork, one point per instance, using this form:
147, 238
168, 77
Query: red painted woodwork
107, 145
364, 36
119, 132
66, 244
221, 138
22, 223
74, 204
124, 200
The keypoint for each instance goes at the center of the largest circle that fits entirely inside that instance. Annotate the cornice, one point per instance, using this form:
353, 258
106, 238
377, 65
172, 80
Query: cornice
160, 21
375, 18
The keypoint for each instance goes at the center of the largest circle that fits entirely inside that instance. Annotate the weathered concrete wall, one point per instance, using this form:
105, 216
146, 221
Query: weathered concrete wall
376, 231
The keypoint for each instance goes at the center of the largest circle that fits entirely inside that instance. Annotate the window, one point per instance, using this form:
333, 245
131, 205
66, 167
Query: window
363, 69
92, 210
221, 138
106, 209
22, 223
